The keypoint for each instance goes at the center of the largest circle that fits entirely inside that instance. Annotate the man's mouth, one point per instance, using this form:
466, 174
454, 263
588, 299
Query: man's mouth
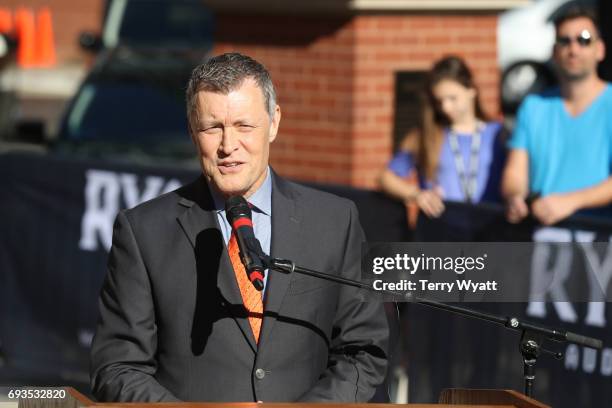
229, 167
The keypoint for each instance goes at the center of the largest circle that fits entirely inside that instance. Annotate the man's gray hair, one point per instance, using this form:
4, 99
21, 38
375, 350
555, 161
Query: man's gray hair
225, 73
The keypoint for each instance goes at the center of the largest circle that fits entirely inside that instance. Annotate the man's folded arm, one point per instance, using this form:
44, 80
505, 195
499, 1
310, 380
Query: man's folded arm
123, 361
358, 350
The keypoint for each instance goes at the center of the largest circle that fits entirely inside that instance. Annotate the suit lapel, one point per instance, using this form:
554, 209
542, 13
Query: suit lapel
286, 221
198, 216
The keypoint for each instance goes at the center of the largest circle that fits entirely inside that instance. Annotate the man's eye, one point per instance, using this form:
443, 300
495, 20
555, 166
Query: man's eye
212, 129
245, 128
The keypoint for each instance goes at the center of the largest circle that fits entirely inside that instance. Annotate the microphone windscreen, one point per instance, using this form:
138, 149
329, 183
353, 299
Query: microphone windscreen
236, 207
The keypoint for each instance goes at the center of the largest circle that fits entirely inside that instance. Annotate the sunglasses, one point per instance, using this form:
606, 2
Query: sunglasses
584, 39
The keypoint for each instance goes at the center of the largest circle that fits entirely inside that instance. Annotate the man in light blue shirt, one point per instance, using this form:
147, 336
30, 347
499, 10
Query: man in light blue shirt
562, 143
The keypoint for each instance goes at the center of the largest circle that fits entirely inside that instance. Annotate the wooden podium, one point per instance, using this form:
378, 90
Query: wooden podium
451, 398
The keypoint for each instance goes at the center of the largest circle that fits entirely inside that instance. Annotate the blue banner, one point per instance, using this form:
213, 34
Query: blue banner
56, 218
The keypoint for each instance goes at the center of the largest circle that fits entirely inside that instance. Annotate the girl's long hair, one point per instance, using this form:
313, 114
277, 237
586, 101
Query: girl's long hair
428, 143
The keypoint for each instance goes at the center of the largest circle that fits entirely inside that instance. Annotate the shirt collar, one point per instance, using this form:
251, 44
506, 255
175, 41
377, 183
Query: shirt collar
261, 200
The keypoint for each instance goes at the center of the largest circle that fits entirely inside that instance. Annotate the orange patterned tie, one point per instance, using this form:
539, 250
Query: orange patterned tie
251, 297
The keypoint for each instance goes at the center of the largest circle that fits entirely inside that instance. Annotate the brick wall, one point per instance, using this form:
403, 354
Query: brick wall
335, 79
70, 17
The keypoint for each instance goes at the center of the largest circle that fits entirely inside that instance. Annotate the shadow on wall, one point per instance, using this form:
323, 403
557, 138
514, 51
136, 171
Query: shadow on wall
270, 30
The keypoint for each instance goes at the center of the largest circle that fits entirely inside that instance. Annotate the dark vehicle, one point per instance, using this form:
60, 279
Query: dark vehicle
143, 57
131, 106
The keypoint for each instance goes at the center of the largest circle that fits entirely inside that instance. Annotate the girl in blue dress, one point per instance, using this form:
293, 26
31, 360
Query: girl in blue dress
456, 154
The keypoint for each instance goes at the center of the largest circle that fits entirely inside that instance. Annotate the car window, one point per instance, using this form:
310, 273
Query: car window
158, 23
131, 113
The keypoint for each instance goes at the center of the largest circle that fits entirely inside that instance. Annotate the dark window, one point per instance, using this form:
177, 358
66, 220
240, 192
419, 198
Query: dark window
408, 94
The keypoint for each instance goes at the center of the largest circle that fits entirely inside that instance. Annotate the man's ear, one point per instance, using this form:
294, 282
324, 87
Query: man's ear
555, 51
601, 50
191, 133
190, 124
275, 121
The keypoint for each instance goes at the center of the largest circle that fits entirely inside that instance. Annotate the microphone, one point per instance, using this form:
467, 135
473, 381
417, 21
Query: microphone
238, 214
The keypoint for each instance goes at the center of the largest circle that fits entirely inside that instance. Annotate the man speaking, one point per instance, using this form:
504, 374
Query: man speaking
179, 318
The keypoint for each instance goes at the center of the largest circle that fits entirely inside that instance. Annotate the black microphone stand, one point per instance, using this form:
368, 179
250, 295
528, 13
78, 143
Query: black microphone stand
532, 337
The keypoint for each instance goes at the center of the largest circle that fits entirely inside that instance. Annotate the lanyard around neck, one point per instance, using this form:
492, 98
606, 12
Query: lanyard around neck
468, 181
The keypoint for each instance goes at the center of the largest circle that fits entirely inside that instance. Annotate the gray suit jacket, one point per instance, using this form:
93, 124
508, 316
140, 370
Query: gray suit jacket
172, 325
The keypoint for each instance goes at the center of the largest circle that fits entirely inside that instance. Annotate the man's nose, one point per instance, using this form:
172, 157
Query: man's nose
229, 141
574, 47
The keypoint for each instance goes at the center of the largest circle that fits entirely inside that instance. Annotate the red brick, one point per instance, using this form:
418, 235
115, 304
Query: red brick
391, 23
424, 22
307, 85
440, 38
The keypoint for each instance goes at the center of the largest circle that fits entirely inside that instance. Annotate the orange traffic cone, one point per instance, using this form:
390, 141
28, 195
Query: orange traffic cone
6, 21
24, 28
45, 43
